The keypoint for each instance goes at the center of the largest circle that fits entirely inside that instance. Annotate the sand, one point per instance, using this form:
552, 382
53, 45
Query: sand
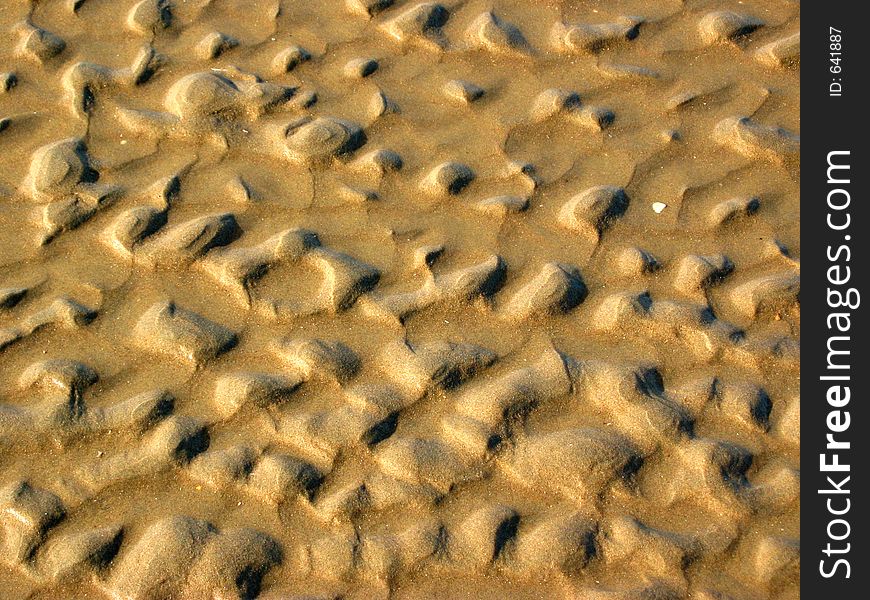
373, 299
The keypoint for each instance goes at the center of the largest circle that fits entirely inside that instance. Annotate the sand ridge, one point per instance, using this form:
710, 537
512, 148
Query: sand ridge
399, 299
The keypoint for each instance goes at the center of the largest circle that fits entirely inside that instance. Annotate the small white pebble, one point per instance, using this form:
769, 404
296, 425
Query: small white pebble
658, 207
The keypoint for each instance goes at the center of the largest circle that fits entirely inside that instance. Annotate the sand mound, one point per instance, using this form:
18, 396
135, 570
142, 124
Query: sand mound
380, 299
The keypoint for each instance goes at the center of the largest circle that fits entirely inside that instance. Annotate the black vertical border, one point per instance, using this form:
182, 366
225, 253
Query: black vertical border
833, 123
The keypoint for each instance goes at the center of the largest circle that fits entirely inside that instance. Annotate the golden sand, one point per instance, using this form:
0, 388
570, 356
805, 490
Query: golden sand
373, 299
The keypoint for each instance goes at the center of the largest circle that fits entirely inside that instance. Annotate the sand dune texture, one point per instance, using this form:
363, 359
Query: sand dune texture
375, 299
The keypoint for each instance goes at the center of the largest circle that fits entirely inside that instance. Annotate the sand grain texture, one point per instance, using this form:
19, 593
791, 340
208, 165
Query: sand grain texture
394, 299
